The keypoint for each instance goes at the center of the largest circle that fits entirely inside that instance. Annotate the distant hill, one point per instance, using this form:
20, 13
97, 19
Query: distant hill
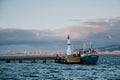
109, 48
106, 48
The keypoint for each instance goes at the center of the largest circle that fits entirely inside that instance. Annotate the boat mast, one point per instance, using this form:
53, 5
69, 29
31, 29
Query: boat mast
91, 47
84, 46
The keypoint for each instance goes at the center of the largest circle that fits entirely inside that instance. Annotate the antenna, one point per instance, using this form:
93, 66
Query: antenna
84, 46
91, 46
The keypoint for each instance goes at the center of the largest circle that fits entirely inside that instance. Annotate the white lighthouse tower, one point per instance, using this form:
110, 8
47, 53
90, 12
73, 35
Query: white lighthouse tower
68, 46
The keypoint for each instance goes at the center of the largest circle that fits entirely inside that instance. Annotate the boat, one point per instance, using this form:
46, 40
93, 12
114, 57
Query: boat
68, 60
89, 57
81, 57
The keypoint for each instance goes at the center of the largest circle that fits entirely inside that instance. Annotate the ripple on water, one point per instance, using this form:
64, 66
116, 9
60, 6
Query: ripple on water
107, 68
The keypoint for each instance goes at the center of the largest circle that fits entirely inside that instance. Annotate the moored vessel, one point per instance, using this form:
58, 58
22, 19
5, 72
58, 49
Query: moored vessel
89, 57
82, 57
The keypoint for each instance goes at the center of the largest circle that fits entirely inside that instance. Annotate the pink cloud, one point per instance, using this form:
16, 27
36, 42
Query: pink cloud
89, 28
82, 31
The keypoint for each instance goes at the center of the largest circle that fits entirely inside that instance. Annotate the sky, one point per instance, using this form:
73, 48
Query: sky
48, 22
54, 14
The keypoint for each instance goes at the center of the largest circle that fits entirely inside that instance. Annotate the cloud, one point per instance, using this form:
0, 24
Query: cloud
81, 32
20, 36
85, 29
101, 30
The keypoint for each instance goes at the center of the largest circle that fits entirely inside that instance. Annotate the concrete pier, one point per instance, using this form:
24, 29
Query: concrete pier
21, 59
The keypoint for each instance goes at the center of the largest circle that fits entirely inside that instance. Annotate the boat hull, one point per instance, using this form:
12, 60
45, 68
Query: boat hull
89, 59
68, 60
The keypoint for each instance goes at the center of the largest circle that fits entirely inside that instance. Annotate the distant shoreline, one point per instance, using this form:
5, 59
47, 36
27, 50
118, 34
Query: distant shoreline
56, 53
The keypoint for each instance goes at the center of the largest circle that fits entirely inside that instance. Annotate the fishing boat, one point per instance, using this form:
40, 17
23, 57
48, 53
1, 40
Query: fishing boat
89, 56
81, 57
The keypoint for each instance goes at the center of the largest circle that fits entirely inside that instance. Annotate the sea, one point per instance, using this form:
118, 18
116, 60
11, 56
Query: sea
107, 68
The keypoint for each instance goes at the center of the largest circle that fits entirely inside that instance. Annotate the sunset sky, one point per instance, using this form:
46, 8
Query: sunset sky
32, 21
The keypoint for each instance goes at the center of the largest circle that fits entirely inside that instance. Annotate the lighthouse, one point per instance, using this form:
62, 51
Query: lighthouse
68, 46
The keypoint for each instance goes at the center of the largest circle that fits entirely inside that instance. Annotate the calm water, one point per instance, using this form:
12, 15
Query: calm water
108, 68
